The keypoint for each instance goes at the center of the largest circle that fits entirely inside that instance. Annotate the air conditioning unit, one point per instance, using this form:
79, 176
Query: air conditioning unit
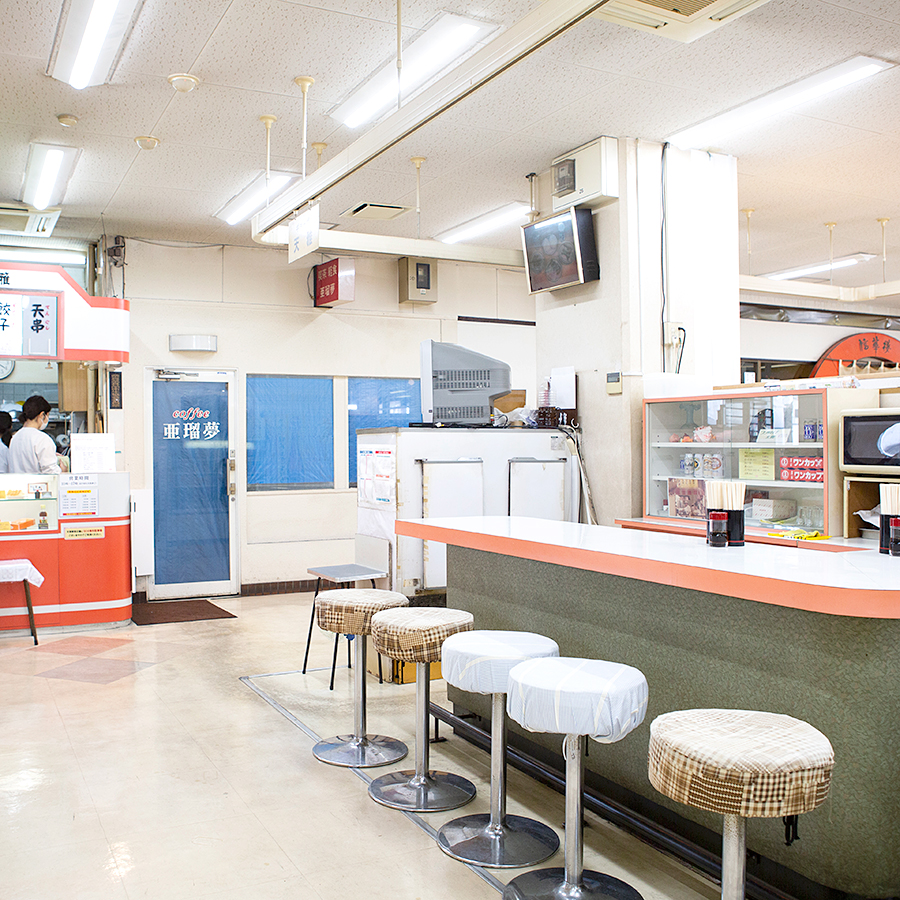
16, 218
681, 20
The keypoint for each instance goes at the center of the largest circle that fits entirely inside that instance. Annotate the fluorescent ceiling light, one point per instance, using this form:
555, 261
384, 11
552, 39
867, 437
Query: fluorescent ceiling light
47, 174
254, 197
842, 262
511, 214
442, 42
89, 40
51, 257
746, 116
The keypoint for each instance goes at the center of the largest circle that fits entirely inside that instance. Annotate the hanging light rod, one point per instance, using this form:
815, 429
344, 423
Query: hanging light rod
511, 214
741, 118
840, 262
446, 39
90, 37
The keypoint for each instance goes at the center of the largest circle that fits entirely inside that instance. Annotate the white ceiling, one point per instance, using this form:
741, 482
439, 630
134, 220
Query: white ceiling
837, 160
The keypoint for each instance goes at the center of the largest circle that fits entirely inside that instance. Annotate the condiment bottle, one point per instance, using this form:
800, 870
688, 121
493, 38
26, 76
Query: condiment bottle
718, 529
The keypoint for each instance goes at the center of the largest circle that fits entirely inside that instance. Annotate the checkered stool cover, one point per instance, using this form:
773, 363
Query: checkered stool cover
350, 610
479, 661
416, 634
736, 762
561, 695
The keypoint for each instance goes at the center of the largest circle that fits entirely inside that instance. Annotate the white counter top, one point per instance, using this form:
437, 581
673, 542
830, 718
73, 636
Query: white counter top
864, 583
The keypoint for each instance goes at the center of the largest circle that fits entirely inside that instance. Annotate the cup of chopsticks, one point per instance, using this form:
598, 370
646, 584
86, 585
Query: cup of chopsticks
890, 508
727, 496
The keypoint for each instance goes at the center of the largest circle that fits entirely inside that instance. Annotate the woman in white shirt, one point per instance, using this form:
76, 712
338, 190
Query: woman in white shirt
30, 450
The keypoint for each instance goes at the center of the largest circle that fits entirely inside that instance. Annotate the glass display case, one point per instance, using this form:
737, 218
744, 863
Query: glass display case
29, 503
781, 444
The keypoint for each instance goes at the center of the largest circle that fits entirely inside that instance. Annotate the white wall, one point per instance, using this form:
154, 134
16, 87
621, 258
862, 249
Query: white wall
614, 325
258, 307
792, 340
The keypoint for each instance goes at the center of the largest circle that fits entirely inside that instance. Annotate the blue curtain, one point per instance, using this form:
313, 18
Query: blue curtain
290, 432
380, 403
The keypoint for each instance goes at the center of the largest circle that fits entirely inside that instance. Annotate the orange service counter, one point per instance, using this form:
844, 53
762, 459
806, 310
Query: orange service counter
76, 531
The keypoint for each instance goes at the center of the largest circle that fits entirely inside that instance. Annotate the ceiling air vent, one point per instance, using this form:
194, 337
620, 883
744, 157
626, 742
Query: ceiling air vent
681, 20
16, 218
375, 211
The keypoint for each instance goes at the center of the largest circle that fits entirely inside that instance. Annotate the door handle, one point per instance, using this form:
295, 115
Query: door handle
230, 485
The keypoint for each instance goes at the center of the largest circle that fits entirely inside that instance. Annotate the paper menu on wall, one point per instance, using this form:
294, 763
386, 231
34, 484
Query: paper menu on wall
93, 453
79, 495
376, 468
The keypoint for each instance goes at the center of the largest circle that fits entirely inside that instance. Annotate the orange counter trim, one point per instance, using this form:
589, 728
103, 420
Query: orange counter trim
867, 604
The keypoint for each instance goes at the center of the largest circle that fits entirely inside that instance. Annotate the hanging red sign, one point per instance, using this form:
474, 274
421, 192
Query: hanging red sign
865, 345
334, 282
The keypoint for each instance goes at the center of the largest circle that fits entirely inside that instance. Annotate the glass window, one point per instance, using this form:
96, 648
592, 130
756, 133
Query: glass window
380, 403
290, 433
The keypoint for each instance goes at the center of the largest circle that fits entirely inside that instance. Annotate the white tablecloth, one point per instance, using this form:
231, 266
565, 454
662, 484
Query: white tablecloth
20, 570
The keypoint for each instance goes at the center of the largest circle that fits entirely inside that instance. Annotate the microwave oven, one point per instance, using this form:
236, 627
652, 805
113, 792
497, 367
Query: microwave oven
870, 441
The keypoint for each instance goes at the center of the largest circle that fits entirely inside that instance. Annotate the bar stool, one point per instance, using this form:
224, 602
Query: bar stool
575, 697
415, 635
479, 662
740, 764
350, 612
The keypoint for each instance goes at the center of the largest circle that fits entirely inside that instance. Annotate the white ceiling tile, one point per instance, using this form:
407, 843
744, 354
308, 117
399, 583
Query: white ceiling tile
263, 44
28, 28
129, 107
169, 35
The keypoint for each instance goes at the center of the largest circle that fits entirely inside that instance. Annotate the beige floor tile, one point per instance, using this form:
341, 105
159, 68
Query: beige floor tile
205, 790
191, 860
86, 870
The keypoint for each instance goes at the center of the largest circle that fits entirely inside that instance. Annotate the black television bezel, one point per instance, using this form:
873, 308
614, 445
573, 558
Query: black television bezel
586, 258
875, 467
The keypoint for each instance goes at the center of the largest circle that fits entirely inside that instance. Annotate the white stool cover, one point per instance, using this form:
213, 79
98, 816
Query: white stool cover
480, 661
604, 700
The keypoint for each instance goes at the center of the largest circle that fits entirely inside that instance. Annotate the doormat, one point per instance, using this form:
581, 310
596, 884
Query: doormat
160, 612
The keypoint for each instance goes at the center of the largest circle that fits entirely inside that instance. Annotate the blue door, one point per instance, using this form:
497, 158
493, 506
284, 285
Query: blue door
193, 485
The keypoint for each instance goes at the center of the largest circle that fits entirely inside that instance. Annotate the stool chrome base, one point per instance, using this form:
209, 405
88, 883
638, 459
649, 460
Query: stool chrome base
429, 793
360, 753
551, 884
516, 842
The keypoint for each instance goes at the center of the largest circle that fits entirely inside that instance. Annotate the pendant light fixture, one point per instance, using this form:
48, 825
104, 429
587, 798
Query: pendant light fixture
748, 211
882, 222
304, 82
417, 162
319, 147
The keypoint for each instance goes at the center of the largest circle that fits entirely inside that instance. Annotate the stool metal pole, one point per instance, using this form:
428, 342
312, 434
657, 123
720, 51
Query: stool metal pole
423, 790
360, 750
734, 857
497, 840
573, 750
573, 882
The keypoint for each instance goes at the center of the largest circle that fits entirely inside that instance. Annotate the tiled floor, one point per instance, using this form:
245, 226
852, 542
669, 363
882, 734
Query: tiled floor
134, 763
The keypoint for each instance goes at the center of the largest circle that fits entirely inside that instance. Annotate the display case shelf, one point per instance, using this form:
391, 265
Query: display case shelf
714, 437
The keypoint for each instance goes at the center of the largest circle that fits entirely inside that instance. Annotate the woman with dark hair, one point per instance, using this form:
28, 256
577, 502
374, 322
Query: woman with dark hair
5, 426
30, 450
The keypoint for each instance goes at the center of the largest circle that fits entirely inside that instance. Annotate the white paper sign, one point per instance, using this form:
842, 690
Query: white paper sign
78, 495
93, 453
303, 234
376, 467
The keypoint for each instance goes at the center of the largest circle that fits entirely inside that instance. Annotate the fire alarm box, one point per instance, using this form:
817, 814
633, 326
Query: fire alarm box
335, 283
418, 280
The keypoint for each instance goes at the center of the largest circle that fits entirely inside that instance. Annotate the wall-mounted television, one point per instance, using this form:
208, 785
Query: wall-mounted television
458, 385
560, 251
870, 441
